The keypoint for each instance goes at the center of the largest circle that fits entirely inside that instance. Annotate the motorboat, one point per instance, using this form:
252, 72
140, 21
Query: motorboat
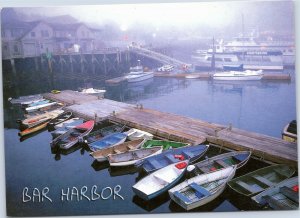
239, 75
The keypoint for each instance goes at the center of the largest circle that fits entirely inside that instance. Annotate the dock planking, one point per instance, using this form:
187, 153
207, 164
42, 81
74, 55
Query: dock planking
178, 128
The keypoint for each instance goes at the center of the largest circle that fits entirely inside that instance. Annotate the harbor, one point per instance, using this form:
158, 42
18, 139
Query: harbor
110, 115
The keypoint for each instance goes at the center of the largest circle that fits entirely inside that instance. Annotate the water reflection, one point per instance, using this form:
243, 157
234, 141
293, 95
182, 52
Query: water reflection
151, 204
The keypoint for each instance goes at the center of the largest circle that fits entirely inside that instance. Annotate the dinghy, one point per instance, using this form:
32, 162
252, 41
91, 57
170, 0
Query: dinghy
35, 108
108, 141
61, 118
165, 144
259, 180
23, 100
160, 181
101, 155
202, 189
131, 157
283, 196
134, 134
34, 129
71, 137
238, 158
191, 153
41, 102
65, 126
38, 119
100, 133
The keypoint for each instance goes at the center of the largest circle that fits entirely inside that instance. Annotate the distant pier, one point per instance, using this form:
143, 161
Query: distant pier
176, 127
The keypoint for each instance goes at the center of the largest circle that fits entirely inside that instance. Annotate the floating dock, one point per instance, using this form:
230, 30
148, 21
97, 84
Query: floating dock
268, 76
176, 127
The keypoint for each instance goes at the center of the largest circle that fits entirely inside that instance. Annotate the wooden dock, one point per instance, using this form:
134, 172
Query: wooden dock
178, 128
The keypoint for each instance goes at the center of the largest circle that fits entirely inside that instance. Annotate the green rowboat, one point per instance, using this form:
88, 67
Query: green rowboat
259, 180
165, 144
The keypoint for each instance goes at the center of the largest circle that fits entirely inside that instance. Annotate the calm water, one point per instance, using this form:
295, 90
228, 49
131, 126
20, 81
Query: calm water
263, 107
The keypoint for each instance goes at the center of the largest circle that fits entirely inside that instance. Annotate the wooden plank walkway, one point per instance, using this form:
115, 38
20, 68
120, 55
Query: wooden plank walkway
179, 128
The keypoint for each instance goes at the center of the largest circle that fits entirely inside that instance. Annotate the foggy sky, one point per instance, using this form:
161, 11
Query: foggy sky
220, 16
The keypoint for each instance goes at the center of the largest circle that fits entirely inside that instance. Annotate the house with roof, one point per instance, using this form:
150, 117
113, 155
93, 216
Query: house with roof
30, 39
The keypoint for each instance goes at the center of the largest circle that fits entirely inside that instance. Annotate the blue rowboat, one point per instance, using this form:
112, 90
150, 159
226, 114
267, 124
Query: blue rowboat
191, 153
108, 141
38, 103
160, 181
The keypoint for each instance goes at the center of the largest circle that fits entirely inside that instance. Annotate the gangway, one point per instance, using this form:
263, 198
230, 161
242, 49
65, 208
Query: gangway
159, 57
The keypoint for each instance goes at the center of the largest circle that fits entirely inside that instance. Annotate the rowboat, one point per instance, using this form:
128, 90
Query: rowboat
60, 118
165, 144
71, 137
289, 132
65, 126
160, 181
37, 107
34, 128
132, 156
191, 153
26, 99
100, 133
38, 119
134, 134
41, 102
108, 141
202, 189
238, 158
259, 180
283, 196
101, 155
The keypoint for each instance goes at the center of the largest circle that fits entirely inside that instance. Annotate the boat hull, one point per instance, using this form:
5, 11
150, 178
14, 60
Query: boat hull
138, 78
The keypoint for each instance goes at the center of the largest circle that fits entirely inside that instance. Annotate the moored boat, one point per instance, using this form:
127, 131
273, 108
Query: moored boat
134, 134
202, 189
41, 102
239, 75
289, 132
261, 179
71, 137
26, 99
160, 181
100, 133
108, 141
101, 155
238, 158
191, 153
132, 156
37, 107
283, 196
65, 126
91, 91
165, 144
34, 129
37, 119
60, 118
137, 74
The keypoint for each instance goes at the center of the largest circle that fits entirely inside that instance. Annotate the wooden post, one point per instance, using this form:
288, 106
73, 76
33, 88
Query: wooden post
81, 64
104, 63
71, 63
13, 67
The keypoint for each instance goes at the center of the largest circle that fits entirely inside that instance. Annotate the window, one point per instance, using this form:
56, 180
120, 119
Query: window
44, 33
32, 34
16, 49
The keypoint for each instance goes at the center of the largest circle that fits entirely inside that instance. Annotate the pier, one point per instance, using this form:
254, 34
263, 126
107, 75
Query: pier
177, 128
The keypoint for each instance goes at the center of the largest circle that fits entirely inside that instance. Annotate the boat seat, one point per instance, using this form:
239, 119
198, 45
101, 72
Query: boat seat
171, 158
154, 163
117, 151
204, 169
263, 180
222, 163
275, 204
252, 189
182, 197
161, 179
289, 193
130, 147
200, 192
239, 157
188, 154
